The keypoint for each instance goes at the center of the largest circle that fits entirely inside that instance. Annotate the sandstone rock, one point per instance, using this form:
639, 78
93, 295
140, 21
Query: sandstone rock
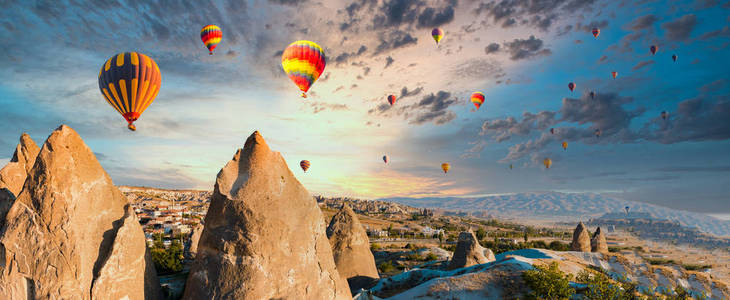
598, 242
13, 175
468, 252
351, 249
195, 239
264, 235
489, 255
6, 201
581, 239
71, 234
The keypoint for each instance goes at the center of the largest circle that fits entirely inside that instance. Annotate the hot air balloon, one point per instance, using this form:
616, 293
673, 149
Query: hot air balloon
674, 57
614, 74
571, 86
653, 49
596, 32
547, 162
305, 165
437, 34
211, 35
129, 82
391, 100
477, 98
445, 167
598, 133
627, 210
385, 159
303, 61
592, 94
552, 130
565, 145
664, 115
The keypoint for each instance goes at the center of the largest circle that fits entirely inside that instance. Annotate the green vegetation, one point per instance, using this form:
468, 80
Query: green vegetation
386, 267
431, 257
413, 256
548, 283
375, 247
600, 286
660, 261
168, 260
481, 234
693, 267
501, 247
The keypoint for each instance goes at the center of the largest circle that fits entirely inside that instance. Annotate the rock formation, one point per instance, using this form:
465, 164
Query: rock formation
264, 235
351, 249
71, 234
598, 242
581, 239
195, 239
6, 201
13, 175
489, 255
468, 252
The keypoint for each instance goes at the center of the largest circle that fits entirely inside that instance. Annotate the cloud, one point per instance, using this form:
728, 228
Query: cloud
430, 17
288, 2
432, 108
723, 32
685, 169
318, 107
642, 64
526, 48
539, 14
346, 56
594, 24
491, 48
642, 22
394, 40
603, 59
681, 28
696, 119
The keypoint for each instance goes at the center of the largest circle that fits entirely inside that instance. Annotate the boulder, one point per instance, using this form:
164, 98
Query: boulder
70, 234
13, 175
581, 239
598, 242
264, 235
468, 252
351, 249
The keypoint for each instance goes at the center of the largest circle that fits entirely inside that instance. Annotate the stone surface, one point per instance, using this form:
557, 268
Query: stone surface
581, 239
13, 175
71, 234
195, 239
489, 254
264, 235
351, 249
598, 242
468, 252
6, 201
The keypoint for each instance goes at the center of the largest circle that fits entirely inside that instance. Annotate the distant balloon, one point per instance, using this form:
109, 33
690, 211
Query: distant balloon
664, 115
614, 74
385, 159
627, 210
547, 162
211, 35
477, 98
303, 61
592, 94
565, 145
598, 133
305, 165
391, 99
571, 86
445, 167
653, 49
674, 57
437, 34
552, 130
129, 82
596, 32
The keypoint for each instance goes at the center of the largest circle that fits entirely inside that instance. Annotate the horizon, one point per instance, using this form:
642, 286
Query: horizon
521, 59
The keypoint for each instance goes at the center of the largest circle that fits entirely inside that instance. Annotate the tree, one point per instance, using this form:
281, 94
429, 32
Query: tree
167, 260
548, 282
481, 234
525, 236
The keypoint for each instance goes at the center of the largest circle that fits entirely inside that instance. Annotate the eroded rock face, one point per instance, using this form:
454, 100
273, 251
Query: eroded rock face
598, 242
195, 239
13, 175
6, 201
581, 239
351, 249
264, 235
71, 234
468, 252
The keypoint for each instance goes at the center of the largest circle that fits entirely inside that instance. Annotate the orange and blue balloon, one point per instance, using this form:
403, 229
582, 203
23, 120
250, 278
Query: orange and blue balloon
129, 82
304, 164
303, 61
478, 99
211, 35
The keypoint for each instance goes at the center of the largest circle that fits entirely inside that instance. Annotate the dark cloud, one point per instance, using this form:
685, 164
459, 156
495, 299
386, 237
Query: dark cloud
322, 106
697, 119
232, 53
684, 169
397, 13
491, 48
478, 68
642, 64
526, 48
714, 86
681, 28
347, 56
433, 108
388, 61
430, 17
539, 14
724, 32
594, 24
642, 22
603, 59
404, 92
288, 2
394, 40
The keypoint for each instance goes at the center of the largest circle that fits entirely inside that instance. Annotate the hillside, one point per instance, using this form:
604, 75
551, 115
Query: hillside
564, 207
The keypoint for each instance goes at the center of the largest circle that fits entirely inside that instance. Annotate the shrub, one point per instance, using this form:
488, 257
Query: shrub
167, 260
431, 257
548, 282
375, 247
386, 267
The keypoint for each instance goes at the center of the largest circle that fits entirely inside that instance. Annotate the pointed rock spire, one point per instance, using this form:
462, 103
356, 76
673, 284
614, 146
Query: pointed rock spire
351, 249
468, 252
598, 242
13, 175
264, 235
581, 239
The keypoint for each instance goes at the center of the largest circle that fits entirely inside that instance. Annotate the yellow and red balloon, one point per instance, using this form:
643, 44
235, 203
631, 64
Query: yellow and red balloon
303, 61
211, 35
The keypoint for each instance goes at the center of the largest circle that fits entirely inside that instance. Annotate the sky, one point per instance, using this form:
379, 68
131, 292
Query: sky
520, 54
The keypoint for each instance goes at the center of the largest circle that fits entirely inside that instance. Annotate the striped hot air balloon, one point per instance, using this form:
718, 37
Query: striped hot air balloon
129, 82
478, 99
596, 32
303, 61
211, 35
614, 74
437, 34
304, 164
571, 86
391, 100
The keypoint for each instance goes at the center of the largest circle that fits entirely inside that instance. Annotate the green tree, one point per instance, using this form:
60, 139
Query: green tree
167, 260
481, 234
548, 283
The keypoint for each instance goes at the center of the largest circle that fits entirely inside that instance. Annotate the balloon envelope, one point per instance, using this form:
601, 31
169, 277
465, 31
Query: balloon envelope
653, 49
477, 99
547, 162
571, 86
391, 100
614, 74
565, 145
596, 32
674, 57
303, 61
129, 82
304, 164
437, 34
211, 35
385, 159
445, 167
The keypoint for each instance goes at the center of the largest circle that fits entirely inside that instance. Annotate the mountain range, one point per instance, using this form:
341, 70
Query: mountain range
556, 206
